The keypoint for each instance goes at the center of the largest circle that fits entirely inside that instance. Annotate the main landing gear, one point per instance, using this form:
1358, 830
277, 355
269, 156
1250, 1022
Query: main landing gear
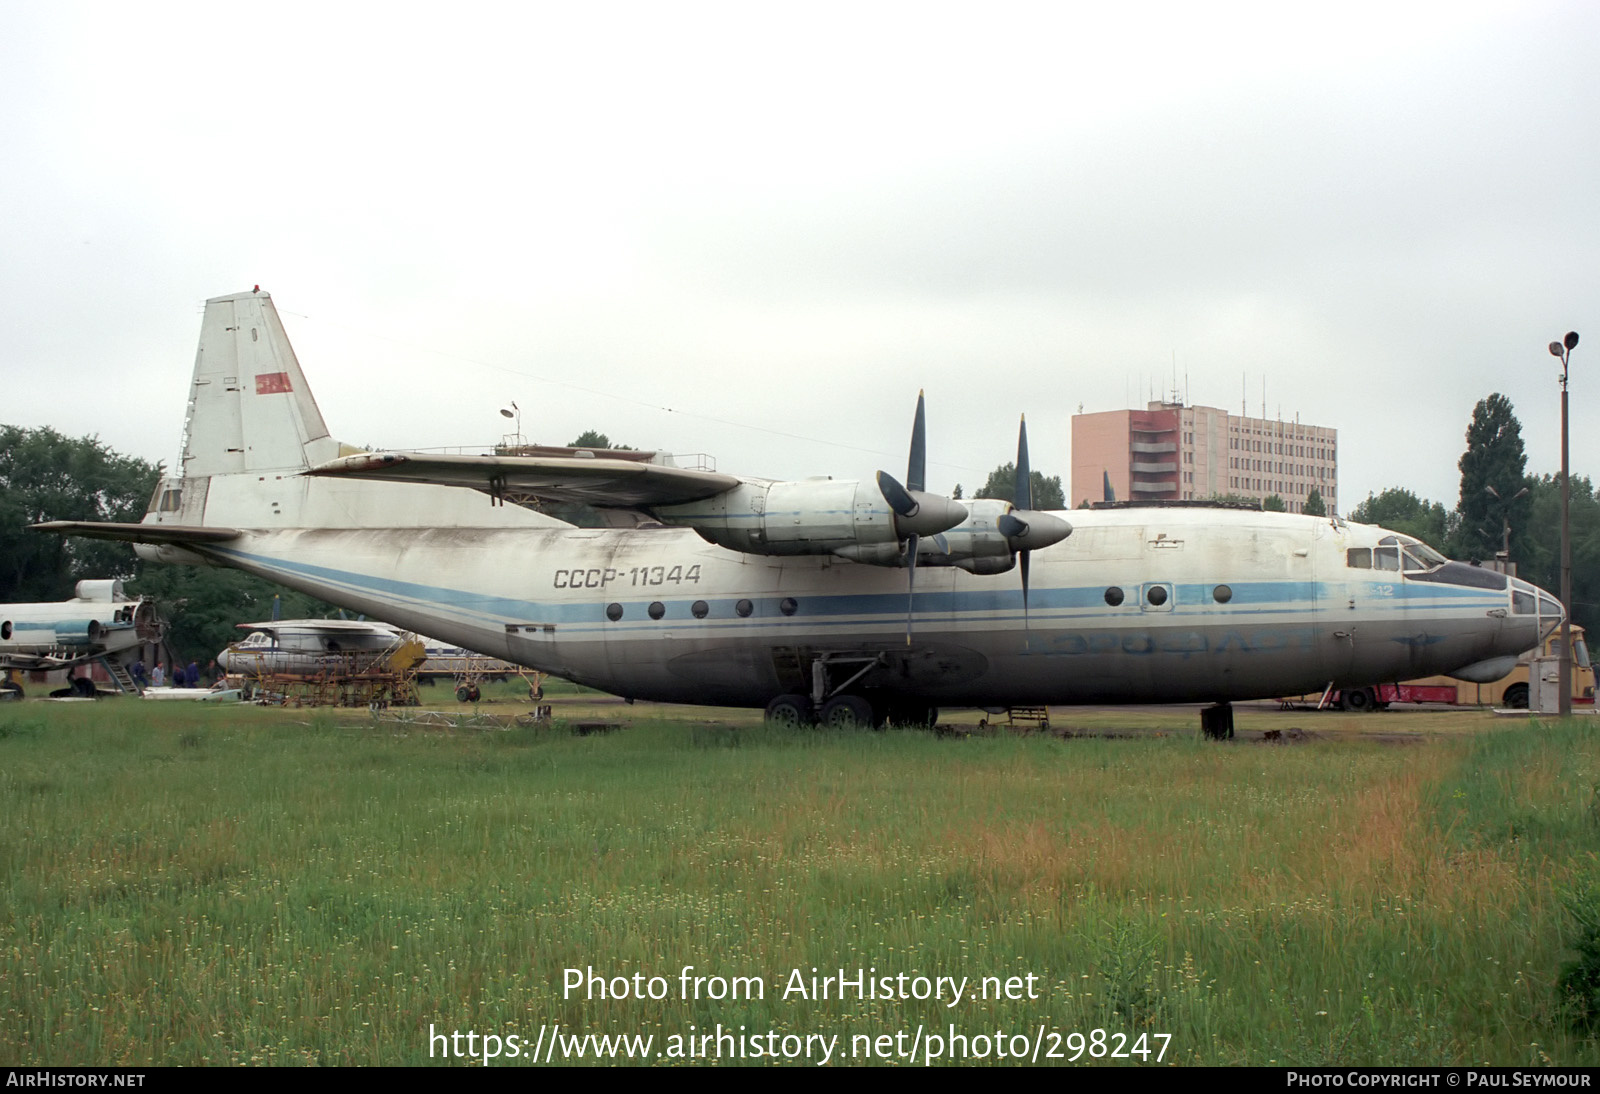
833, 707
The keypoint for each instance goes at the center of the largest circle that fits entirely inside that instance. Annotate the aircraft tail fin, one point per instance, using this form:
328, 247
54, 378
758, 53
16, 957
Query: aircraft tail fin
250, 408
252, 427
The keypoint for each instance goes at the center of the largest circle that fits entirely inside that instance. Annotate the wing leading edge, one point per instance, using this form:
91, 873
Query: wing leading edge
603, 483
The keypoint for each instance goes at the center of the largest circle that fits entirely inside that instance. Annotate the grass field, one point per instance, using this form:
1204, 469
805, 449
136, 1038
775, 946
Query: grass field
190, 884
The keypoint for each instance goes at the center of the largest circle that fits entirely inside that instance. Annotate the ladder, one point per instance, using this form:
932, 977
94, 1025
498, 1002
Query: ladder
120, 676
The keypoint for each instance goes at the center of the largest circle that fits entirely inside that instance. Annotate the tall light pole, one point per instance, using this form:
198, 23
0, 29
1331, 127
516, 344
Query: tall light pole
1563, 350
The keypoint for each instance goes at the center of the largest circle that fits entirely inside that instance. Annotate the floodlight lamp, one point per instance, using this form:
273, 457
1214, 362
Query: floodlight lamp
1571, 340
1555, 351
507, 412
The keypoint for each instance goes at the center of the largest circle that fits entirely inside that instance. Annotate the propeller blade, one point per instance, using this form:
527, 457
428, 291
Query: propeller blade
911, 581
1022, 562
1022, 496
899, 499
1023, 499
917, 465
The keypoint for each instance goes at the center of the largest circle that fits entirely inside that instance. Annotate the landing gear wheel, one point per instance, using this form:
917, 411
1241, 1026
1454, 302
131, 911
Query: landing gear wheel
1516, 697
463, 694
473, 694
1357, 700
536, 693
791, 711
10, 693
82, 687
847, 712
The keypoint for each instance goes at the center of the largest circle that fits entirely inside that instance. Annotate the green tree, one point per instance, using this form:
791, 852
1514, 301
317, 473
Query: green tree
1538, 549
1402, 511
204, 605
1493, 474
1315, 506
593, 438
45, 476
1272, 503
1002, 484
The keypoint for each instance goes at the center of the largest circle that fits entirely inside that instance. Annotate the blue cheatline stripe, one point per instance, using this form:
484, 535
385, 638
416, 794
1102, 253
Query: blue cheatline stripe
1058, 606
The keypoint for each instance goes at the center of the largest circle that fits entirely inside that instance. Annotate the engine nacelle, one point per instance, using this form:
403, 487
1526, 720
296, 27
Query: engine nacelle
809, 517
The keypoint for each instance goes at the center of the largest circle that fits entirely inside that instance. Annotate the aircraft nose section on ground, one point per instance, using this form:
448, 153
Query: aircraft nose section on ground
1527, 599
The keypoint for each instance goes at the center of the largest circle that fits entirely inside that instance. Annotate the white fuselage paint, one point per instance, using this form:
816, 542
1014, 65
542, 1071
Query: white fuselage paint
1295, 615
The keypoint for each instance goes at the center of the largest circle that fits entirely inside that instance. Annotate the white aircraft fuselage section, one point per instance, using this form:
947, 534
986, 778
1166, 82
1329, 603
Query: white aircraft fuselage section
1210, 605
99, 620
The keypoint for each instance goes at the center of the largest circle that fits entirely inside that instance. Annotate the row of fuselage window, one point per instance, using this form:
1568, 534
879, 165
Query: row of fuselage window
1155, 595
700, 609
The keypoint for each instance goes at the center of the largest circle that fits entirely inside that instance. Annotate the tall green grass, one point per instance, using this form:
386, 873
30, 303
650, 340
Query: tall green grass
196, 885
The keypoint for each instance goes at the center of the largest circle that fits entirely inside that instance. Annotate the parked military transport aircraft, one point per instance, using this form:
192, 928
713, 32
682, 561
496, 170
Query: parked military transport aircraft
98, 622
852, 601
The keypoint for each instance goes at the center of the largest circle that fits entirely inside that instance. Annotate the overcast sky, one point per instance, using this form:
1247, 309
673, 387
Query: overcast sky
756, 230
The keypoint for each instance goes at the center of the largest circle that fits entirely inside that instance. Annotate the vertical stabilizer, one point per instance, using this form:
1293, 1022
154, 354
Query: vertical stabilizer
252, 427
250, 408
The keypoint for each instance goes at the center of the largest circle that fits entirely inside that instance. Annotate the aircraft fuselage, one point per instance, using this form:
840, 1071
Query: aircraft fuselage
1138, 605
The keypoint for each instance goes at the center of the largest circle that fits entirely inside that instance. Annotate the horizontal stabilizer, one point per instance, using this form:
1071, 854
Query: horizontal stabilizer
181, 535
604, 483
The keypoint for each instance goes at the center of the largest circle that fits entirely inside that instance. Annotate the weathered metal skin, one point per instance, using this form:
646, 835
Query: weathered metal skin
1294, 617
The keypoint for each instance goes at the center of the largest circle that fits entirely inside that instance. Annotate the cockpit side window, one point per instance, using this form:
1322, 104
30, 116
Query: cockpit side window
1523, 603
1359, 558
1386, 558
1419, 557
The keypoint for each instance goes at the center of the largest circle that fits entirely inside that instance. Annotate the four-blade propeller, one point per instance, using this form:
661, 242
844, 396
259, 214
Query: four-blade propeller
918, 513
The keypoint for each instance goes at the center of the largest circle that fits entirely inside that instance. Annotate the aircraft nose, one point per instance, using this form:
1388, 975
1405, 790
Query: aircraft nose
1528, 599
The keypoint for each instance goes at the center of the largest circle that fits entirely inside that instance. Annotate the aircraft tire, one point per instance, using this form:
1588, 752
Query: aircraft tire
82, 687
791, 711
847, 712
10, 693
1516, 697
1357, 700
463, 695
473, 694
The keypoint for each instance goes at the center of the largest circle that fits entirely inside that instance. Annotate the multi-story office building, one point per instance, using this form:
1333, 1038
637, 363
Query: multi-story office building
1187, 453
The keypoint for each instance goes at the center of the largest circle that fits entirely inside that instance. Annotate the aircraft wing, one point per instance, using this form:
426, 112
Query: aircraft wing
321, 626
43, 662
181, 534
604, 483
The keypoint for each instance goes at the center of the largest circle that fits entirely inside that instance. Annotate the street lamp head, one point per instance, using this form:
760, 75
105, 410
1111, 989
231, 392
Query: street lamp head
1571, 340
1555, 349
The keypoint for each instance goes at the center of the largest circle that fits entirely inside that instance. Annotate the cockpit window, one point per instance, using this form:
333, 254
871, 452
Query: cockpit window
1386, 558
1523, 603
1359, 558
1419, 556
